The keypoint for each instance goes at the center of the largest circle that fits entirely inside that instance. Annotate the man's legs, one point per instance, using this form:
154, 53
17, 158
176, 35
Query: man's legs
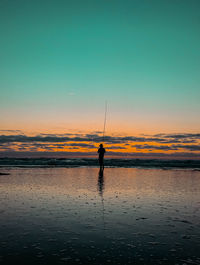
101, 163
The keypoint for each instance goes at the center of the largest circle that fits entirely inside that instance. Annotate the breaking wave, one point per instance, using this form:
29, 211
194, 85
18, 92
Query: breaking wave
91, 162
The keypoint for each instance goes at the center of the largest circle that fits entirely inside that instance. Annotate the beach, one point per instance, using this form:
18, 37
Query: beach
76, 216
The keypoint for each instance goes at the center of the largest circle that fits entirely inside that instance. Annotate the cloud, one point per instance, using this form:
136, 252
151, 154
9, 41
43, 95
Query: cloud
50, 142
168, 148
71, 94
95, 138
183, 135
154, 147
188, 147
11, 131
180, 137
81, 145
75, 145
134, 155
115, 147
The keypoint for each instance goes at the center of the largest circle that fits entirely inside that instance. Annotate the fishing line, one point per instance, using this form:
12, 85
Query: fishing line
104, 127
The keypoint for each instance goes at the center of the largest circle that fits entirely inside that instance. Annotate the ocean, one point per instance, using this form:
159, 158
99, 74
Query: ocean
91, 162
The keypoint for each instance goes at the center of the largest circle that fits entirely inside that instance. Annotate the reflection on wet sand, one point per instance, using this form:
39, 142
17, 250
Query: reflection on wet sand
101, 182
79, 216
101, 189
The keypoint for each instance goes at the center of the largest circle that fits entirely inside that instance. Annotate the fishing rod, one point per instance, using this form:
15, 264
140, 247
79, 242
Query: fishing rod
104, 127
101, 177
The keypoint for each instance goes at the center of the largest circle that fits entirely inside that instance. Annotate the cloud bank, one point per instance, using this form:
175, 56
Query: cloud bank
96, 138
88, 143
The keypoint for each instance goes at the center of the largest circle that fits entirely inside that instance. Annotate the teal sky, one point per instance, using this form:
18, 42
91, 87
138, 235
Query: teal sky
60, 61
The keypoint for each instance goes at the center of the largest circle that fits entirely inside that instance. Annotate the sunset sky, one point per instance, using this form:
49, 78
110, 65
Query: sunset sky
60, 61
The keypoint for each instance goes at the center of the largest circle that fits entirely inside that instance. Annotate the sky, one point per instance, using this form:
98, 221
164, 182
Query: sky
61, 60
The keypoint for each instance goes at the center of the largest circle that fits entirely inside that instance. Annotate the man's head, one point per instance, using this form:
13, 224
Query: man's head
101, 145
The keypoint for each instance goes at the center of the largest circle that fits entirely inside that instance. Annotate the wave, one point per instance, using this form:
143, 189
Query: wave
91, 162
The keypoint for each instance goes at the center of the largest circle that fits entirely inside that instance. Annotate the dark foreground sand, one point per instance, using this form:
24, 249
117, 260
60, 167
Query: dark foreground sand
73, 216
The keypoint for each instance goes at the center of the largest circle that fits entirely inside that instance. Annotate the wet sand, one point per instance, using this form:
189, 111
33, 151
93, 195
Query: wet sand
75, 216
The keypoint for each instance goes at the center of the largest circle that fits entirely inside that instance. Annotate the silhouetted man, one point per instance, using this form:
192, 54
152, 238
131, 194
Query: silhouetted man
101, 152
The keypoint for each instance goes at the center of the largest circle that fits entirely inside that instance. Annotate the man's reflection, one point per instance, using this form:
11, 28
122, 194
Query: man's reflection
101, 182
101, 189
